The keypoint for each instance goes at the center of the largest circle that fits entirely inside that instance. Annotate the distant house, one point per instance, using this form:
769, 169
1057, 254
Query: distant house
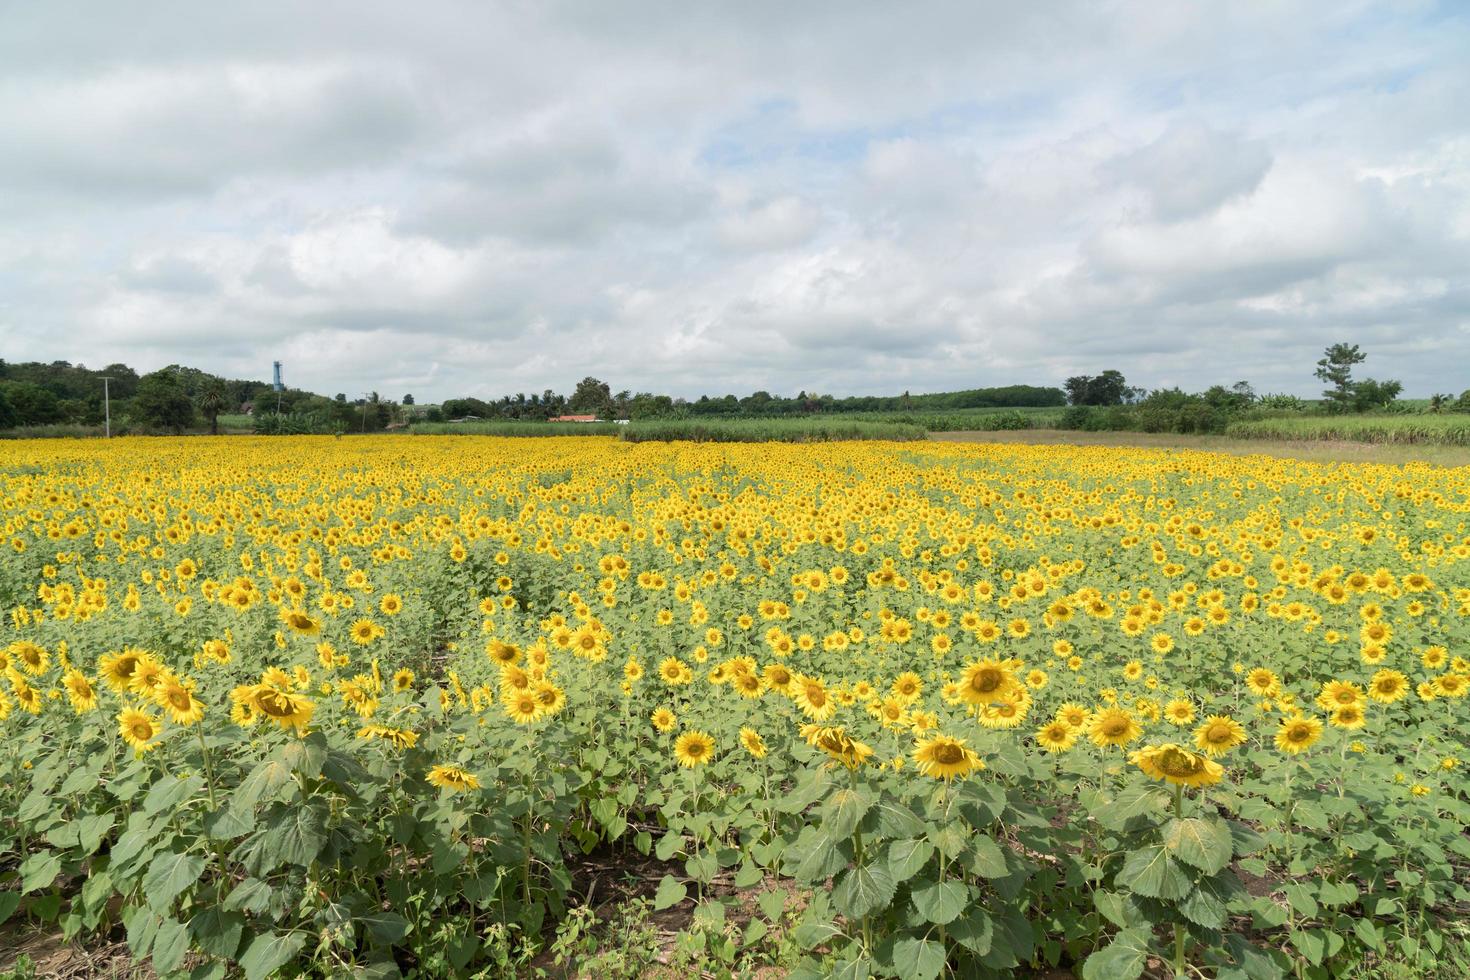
573, 418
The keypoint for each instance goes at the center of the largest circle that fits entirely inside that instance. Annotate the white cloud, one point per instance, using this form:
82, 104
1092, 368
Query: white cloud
490, 198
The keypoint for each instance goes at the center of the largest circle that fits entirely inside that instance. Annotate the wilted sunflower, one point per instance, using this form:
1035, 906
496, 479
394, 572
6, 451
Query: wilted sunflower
1218, 734
1177, 765
838, 744
943, 757
399, 738
693, 748
452, 778
1296, 735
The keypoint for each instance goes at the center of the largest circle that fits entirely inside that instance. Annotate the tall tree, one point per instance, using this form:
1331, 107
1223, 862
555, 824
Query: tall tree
211, 400
162, 402
591, 395
1336, 368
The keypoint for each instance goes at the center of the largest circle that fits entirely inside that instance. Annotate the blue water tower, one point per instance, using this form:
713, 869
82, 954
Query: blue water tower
277, 384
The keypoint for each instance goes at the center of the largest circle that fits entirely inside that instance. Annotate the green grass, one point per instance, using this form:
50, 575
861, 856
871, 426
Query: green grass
60, 431
1439, 430
236, 423
832, 428
1317, 451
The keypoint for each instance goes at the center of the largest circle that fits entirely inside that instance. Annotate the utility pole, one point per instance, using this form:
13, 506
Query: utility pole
106, 409
364, 414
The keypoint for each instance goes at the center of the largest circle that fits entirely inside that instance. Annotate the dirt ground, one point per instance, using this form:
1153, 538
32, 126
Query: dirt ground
1317, 451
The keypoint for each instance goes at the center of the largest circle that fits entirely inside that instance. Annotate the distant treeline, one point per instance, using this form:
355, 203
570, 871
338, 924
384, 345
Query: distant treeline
764, 403
65, 398
595, 397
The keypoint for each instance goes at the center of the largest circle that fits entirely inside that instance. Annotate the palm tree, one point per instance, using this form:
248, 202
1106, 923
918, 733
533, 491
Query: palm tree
212, 400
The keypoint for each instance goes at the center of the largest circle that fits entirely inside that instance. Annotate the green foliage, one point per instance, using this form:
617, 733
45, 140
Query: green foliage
767, 430
162, 403
1445, 430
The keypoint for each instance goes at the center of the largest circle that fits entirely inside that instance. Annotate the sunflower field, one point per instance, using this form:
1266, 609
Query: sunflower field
369, 706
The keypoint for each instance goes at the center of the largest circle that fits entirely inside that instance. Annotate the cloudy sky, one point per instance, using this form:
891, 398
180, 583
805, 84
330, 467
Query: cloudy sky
484, 198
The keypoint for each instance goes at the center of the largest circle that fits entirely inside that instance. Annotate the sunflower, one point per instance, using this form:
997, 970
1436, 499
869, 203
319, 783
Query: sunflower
33, 658
1179, 711
987, 681
1388, 686
364, 631
751, 740
1339, 694
778, 678
1073, 715
452, 778
907, 687
1171, 763
280, 706
664, 720
390, 605
1349, 716
943, 757
1451, 685
138, 729
1218, 734
810, 695
1262, 682
1298, 734
1113, 726
80, 690
1056, 736
550, 697
117, 669
148, 676
502, 653
693, 748
1004, 714
523, 708
178, 702
300, 622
